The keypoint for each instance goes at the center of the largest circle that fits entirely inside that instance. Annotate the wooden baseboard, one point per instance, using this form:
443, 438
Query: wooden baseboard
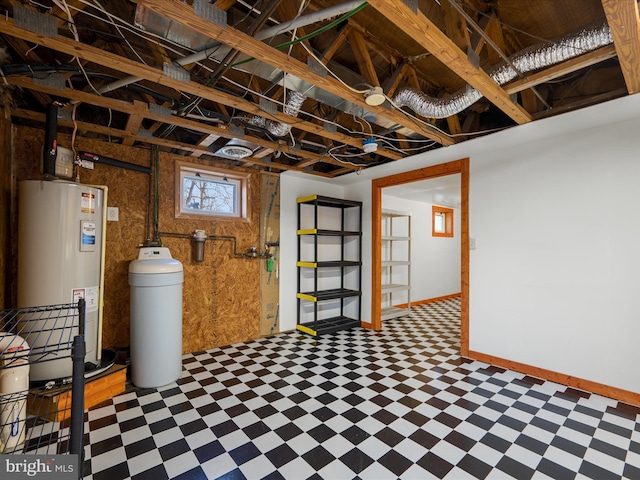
428, 300
580, 383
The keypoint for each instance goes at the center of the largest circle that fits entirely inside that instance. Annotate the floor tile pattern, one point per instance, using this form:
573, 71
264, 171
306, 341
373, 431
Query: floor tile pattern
400, 403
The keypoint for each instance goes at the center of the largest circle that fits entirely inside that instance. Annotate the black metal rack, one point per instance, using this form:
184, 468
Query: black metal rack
34, 335
313, 297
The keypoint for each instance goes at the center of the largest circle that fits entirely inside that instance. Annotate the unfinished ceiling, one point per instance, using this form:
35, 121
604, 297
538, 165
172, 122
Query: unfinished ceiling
321, 86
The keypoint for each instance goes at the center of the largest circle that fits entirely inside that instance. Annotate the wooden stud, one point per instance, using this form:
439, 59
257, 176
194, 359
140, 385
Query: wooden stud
624, 22
361, 54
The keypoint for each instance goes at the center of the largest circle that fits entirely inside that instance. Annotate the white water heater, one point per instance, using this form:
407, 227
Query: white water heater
61, 231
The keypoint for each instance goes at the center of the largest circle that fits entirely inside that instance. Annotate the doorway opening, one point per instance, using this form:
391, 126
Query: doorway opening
377, 185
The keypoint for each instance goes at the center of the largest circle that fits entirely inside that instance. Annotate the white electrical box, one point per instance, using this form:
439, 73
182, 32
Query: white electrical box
64, 163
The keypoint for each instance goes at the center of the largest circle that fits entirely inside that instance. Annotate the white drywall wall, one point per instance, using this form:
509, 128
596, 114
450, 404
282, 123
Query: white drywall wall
553, 205
293, 186
435, 261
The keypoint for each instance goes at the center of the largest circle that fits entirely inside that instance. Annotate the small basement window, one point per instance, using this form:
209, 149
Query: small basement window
442, 221
206, 191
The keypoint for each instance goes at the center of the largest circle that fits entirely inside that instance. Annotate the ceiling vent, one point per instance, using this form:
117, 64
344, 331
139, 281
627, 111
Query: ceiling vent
236, 149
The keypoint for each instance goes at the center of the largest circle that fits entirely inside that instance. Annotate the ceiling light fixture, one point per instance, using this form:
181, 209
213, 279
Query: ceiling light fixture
374, 96
235, 151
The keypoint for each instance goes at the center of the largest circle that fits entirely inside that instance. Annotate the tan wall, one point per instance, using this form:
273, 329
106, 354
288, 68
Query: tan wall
221, 300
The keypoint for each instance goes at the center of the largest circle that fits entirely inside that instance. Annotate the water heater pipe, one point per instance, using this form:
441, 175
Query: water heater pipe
92, 157
50, 149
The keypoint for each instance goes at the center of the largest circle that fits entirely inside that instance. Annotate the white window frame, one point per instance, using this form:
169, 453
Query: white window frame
240, 181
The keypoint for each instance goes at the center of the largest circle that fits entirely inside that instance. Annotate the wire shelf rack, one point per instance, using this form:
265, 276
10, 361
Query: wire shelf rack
42, 417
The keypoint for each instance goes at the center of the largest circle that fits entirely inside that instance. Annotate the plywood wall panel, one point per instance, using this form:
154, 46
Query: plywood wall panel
270, 232
221, 296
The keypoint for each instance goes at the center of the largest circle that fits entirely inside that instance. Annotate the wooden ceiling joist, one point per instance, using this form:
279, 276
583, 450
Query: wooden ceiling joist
361, 54
624, 23
339, 39
116, 133
122, 106
176, 11
134, 122
131, 67
429, 36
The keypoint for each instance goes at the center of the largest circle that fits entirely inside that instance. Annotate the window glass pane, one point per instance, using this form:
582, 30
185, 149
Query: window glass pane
439, 223
205, 195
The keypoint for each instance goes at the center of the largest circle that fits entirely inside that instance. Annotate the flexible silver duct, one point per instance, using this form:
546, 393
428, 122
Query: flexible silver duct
532, 58
292, 107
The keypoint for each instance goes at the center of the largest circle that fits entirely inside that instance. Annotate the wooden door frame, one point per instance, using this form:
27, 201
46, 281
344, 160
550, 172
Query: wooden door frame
450, 168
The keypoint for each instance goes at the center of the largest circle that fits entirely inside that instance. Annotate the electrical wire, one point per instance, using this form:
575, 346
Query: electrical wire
118, 29
163, 44
127, 26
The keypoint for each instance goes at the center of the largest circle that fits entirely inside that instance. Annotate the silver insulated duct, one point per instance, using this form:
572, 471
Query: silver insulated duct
529, 59
292, 107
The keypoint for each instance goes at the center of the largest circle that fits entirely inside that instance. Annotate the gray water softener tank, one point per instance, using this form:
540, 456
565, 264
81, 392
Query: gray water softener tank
156, 281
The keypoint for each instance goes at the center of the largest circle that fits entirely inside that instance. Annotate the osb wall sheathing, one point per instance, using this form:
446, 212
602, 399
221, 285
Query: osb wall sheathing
270, 234
221, 300
127, 190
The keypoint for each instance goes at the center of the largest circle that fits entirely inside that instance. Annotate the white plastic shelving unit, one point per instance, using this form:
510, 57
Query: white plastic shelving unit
396, 264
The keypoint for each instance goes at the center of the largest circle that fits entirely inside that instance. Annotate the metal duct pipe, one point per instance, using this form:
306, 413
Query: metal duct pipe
303, 21
292, 107
529, 59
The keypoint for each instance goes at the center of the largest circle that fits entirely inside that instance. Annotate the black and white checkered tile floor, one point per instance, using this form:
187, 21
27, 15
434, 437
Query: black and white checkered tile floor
400, 403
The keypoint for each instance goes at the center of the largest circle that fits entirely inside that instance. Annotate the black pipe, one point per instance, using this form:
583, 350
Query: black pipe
92, 157
78, 350
50, 149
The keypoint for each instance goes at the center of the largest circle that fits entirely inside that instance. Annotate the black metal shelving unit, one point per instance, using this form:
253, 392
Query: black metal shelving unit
34, 335
345, 285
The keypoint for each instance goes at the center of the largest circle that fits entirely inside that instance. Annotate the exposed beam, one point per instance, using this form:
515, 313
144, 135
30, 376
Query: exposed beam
177, 11
624, 23
338, 40
131, 67
529, 101
161, 142
28, 55
122, 106
393, 82
204, 142
361, 54
136, 115
288, 11
455, 26
144, 112
493, 29
429, 36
